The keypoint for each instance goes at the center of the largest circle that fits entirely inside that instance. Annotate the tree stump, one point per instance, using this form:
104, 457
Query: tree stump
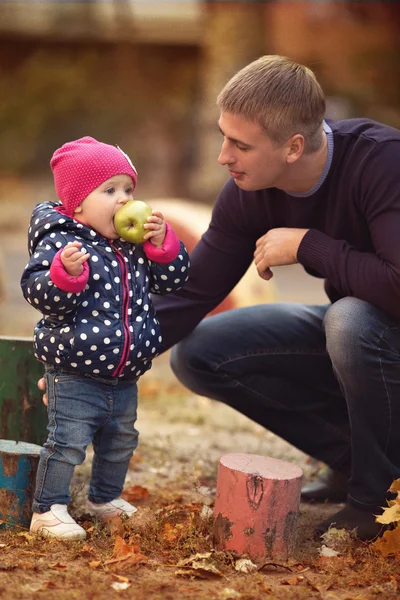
18, 466
256, 506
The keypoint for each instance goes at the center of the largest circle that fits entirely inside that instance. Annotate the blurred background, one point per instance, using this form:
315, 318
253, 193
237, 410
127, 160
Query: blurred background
145, 75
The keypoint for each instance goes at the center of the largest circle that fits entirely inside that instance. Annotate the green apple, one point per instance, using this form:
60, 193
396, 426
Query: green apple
129, 221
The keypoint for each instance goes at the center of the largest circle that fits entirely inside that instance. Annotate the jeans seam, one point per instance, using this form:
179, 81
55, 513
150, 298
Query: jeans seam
386, 388
229, 360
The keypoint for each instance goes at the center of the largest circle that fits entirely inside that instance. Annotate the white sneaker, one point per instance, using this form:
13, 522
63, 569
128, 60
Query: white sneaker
57, 523
108, 510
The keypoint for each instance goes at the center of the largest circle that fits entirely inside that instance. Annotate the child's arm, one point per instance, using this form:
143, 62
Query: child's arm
168, 264
45, 283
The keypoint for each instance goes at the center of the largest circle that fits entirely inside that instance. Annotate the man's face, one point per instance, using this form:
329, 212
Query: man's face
252, 159
98, 209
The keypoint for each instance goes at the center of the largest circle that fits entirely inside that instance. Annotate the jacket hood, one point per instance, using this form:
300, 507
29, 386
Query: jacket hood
48, 217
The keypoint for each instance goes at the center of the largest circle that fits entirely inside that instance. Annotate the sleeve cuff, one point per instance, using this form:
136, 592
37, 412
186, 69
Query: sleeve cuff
66, 282
168, 251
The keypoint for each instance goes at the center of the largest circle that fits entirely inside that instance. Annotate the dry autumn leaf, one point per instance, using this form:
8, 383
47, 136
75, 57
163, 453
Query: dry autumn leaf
389, 543
135, 493
171, 533
120, 578
94, 564
198, 565
395, 487
115, 524
126, 553
391, 514
119, 587
58, 566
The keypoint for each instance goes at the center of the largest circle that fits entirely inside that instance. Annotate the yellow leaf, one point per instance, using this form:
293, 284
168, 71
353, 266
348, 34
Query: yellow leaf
389, 543
391, 514
395, 487
94, 564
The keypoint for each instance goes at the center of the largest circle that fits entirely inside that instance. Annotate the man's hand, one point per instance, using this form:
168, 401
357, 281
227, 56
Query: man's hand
277, 247
42, 387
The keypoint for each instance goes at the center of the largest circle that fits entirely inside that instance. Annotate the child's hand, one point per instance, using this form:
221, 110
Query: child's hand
72, 258
156, 225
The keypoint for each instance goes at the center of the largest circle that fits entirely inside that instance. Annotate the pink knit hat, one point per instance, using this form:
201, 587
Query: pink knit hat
81, 166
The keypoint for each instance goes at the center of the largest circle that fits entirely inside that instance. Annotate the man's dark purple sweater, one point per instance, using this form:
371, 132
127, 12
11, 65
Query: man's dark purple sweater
353, 242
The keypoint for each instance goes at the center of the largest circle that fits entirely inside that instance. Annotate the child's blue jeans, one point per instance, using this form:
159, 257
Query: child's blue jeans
82, 410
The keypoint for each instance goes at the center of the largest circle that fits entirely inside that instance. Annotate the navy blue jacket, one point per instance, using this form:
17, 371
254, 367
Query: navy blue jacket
108, 328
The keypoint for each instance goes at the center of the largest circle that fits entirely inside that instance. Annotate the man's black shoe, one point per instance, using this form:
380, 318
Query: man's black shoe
351, 518
330, 486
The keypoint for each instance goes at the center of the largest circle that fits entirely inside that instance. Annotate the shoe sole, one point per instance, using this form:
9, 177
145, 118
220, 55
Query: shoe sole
45, 533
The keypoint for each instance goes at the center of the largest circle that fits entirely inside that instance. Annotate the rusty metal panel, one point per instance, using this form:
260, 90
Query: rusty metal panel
18, 465
23, 416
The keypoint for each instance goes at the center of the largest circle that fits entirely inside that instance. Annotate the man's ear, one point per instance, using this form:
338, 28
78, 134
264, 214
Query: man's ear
295, 148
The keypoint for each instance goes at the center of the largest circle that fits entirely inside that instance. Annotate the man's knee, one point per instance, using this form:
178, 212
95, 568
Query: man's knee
184, 362
346, 323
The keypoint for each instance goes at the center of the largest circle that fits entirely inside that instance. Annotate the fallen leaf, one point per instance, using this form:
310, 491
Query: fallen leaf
120, 578
389, 543
172, 533
244, 565
119, 587
134, 493
94, 564
391, 514
126, 553
58, 566
115, 525
395, 487
27, 536
198, 565
325, 551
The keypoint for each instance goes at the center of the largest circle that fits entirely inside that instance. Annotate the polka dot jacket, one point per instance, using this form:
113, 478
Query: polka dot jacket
109, 327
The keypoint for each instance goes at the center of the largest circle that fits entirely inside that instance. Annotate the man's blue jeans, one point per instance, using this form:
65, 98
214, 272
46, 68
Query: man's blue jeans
82, 410
324, 378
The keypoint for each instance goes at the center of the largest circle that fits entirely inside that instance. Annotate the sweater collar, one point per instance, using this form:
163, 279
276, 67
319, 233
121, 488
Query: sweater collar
315, 188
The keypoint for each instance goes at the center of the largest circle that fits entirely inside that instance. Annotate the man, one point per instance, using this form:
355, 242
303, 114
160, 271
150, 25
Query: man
325, 195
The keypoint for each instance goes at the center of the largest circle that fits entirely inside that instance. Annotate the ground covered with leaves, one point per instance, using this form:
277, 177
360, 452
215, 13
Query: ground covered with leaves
165, 551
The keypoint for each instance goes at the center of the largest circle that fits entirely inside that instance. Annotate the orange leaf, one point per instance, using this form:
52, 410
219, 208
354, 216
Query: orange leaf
94, 564
122, 549
171, 533
120, 578
134, 493
395, 487
389, 543
58, 566
114, 524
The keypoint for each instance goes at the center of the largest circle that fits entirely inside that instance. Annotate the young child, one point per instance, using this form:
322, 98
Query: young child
99, 331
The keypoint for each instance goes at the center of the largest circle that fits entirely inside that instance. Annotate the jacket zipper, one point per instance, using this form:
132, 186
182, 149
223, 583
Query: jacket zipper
125, 317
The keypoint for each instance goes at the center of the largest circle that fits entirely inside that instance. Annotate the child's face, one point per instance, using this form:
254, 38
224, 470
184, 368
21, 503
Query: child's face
98, 209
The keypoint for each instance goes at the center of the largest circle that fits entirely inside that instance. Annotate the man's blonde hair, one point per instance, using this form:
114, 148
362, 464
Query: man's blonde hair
282, 96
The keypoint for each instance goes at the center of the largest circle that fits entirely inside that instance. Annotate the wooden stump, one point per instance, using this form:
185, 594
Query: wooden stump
18, 465
256, 506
